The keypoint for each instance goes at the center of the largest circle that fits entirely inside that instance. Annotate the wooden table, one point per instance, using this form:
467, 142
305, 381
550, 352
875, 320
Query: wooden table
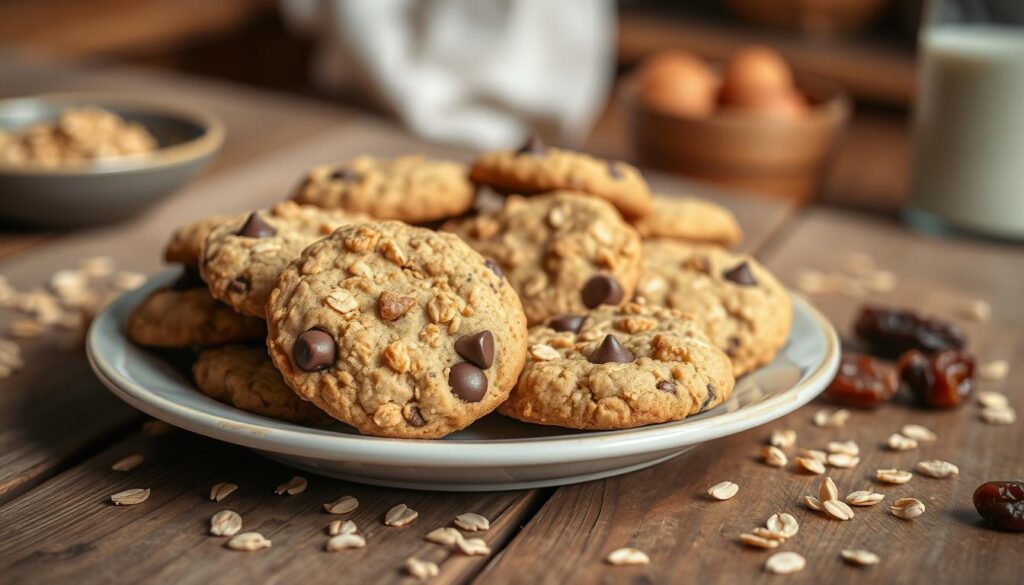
60, 430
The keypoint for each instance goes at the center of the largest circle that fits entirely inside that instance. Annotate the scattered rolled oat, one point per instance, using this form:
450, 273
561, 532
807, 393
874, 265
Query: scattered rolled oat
918, 433
811, 465
472, 546
938, 469
293, 486
248, 542
784, 563
880, 281
97, 266
343, 541
864, 498
130, 497
827, 490
342, 527
219, 491
25, 328
128, 463
858, 264
783, 439
127, 280
422, 570
764, 532
992, 399
907, 508
446, 536
342, 505
999, 416
628, 556
813, 503
723, 491
842, 460
994, 370
893, 476
758, 541
976, 309
225, 523
813, 282
471, 522
844, 448
859, 557
830, 419
774, 456
784, 524
898, 442
400, 515
838, 510
815, 454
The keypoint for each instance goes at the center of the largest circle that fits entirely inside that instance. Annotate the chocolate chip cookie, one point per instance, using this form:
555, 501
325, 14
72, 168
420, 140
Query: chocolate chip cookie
244, 377
397, 330
536, 168
413, 189
743, 308
691, 220
563, 252
243, 257
182, 318
186, 243
617, 368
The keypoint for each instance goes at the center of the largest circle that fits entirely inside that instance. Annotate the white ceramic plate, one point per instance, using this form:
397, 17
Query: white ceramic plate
495, 453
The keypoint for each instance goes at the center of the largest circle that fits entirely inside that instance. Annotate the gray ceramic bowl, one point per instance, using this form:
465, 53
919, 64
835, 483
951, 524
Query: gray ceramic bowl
105, 189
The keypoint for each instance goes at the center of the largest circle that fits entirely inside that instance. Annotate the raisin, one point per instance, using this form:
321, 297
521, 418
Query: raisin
943, 380
1001, 504
862, 382
891, 332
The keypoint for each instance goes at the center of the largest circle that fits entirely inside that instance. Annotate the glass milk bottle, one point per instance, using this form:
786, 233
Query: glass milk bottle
968, 159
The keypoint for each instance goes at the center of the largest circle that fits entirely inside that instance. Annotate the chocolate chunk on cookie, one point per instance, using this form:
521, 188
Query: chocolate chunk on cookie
625, 367
244, 377
536, 168
744, 309
691, 220
564, 253
397, 330
413, 189
242, 257
183, 318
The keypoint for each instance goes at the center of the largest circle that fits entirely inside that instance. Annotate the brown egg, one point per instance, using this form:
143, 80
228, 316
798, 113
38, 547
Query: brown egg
754, 75
790, 105
678, 83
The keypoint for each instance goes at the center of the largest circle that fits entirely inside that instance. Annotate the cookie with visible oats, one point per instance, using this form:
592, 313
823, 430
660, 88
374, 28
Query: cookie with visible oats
691, 220
743, 308
537, 168
242, 257
563, 252
413, 189
396, 330
618, 368
175, 318
186, 243
244, 377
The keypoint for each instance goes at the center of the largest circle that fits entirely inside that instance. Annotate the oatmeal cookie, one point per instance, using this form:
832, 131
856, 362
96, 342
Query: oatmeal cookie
242, 257
396, 330
413, 189
182, 318
536, 168
691, 220
186, 244
563, 252
743, 308
617, 368
244, 377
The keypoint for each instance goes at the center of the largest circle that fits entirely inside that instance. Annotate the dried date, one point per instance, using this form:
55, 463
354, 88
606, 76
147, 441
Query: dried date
1001, 504
943, 380
891, 332
862, 382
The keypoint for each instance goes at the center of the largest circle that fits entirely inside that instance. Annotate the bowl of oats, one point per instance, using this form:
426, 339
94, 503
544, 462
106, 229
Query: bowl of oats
84, 158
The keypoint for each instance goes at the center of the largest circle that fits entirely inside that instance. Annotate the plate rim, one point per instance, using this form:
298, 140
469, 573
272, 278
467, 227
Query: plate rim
291, 439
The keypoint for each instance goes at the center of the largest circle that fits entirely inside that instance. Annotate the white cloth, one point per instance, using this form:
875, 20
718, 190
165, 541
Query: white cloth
481, 73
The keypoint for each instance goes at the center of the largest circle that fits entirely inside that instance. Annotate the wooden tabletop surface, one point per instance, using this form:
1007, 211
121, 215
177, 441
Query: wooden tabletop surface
60, 430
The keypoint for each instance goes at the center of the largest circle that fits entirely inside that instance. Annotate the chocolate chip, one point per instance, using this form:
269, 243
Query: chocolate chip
315, 350
344, 175
567, 323
256, 227
741, 275
613, 171
602, 290
533, 145
477, 349
415, 417
238, 286
666, 386
611, 350
494, 268
707, 400
468, 382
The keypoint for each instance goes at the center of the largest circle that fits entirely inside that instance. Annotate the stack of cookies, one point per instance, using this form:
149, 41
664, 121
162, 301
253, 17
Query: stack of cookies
581, 301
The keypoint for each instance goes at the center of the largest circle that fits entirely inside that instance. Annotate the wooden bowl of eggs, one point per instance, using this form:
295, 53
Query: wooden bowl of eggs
751, 125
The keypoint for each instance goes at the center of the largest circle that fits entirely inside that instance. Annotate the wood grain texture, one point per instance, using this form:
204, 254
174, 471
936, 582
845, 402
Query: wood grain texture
690, 538
68, 531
